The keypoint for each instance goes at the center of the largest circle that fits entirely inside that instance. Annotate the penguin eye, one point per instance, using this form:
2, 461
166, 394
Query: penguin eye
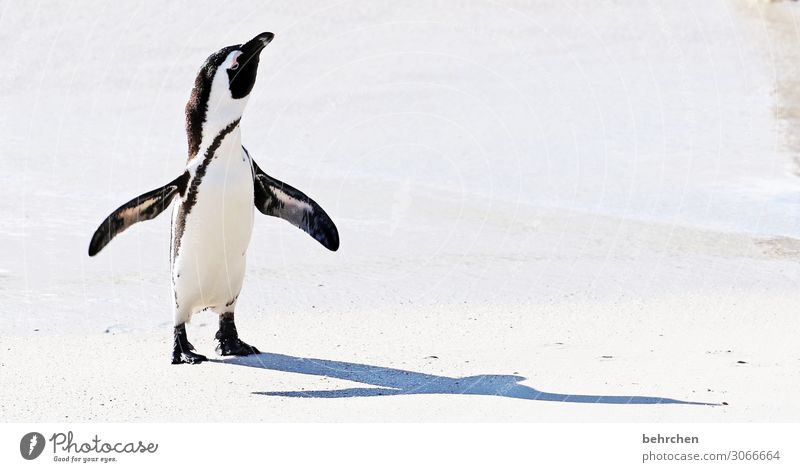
235, 60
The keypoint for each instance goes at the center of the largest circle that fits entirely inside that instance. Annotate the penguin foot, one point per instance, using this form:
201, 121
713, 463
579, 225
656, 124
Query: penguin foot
182, 349
188, 357
235, 347
228, 342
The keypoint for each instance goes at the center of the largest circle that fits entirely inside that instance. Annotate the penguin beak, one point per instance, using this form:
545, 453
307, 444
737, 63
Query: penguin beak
251, 50
265, 38
255, 45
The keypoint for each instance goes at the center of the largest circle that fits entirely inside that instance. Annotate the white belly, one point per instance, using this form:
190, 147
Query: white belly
209, 265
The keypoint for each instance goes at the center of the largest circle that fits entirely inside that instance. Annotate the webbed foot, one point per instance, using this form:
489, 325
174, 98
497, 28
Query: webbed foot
182, 349
228, 342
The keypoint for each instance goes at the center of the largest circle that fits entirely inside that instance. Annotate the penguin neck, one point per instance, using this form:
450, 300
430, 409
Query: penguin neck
218, 135
220, 112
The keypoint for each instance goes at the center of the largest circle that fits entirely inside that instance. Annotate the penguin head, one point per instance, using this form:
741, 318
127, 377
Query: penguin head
222, 87
241, 64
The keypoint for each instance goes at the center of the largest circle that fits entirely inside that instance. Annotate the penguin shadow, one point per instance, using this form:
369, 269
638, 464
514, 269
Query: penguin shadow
390, 381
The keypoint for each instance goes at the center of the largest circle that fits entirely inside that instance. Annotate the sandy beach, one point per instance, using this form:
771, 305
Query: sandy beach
565, 211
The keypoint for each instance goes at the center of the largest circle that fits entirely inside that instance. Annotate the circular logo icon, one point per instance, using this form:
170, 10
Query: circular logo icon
31, 445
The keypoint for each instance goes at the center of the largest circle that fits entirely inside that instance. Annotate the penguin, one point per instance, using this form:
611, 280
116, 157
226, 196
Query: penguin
216, 194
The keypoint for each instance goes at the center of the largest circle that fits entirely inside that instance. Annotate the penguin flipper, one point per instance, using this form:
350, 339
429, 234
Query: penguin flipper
275, 198
142, 208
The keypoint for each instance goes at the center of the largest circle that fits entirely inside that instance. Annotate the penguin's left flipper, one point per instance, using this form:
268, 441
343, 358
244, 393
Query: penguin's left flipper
142, 208
275, 198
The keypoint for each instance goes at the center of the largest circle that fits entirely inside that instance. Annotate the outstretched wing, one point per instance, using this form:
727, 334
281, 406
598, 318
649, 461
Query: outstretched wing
142, 208
275, 198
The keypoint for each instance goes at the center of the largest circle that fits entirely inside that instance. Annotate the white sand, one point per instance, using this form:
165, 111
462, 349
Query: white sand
547, 213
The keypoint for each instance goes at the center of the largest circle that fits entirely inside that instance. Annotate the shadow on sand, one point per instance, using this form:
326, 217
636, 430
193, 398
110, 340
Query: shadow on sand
388, 381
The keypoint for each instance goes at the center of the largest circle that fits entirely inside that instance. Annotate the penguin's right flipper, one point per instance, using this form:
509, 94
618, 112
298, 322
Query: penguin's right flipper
142, 208
275, 198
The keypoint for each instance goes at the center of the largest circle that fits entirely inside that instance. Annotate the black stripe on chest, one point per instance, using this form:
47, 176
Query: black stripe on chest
191, 194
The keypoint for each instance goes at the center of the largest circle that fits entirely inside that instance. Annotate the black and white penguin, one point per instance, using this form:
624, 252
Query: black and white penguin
213, 219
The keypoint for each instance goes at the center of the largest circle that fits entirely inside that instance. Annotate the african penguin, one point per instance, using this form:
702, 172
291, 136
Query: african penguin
213, 219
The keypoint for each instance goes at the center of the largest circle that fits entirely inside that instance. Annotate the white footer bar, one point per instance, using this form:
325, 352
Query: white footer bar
389, 447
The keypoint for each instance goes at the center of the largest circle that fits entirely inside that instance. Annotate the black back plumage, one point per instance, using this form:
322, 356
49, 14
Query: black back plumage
197, 106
